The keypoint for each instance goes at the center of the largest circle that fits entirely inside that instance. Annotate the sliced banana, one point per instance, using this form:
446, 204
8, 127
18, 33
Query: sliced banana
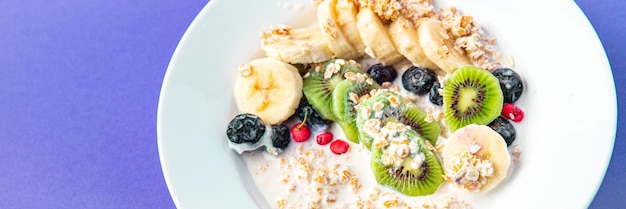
439, 47
404, 36
269, 88
346, 17
302, 45
332, 33
475, 158
375, 36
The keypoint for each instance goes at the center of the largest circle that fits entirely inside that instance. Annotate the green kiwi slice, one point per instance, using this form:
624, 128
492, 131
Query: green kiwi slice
343, 104
404, 177
405, 112
471, 95
318, 88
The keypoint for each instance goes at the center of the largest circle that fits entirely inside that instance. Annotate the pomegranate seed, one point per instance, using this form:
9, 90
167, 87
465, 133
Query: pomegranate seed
339, 146
512, 112
324, 138
300, 132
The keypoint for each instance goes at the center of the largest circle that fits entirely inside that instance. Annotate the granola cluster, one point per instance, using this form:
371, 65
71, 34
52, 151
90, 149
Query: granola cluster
390, 10
461, 29
470, 37
469, 170
315, 182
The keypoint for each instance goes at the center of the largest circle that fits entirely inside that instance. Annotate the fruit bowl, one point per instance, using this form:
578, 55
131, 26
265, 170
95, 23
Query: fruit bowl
196, 102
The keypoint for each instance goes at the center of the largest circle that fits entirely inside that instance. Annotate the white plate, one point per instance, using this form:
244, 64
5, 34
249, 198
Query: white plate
570, 104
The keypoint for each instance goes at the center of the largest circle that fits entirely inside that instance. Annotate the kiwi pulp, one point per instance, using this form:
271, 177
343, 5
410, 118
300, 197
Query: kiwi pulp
343, 105
405, 112
318, 89
471, 95
424, 180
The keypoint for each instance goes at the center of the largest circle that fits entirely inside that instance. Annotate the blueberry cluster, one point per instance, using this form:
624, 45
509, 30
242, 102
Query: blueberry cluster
246, 133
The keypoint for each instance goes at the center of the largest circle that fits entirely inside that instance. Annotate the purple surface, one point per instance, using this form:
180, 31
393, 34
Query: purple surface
79, 86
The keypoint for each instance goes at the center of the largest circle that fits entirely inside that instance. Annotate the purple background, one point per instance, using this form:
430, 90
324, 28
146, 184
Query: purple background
79, 86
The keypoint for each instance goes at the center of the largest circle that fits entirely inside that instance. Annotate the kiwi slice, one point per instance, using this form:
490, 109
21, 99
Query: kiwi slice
405, 112
343, 104
318, 88
471, 95
405, 177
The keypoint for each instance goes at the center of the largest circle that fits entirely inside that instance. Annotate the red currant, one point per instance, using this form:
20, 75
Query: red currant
512, 112
300, 132
324, 138
339, 146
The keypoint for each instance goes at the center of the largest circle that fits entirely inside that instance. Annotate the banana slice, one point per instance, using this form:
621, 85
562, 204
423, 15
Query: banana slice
376, 37
439, 46
346, 17
269, 88
303, 45
332, 33
475, 158
404, 36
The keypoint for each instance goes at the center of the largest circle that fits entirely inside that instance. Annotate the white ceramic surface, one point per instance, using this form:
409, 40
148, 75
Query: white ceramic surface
566, 137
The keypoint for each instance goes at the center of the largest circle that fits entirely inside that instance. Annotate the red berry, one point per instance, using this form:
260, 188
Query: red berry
512, 112
324, 138
300, 132
339, 146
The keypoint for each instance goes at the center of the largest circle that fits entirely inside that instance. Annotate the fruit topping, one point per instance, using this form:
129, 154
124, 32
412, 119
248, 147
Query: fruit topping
247, 132
301, 45
504, 128
475, 158
332, 32
418, 80
300, 132
346, 16
280, 136
269, 88
402, 161
510, 82
245, 128
324, 138
386, 107
339, 146
434, 95
439, 47
314, 119
382, 73
403, 32
346, 95
471, 95
318, 86
512, 112
375, 36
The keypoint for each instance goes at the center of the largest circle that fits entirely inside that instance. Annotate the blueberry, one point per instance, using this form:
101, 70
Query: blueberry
511, 84
434, 95
313, 119
382, 73
245, 128
504, 128
418, 80
280, 136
